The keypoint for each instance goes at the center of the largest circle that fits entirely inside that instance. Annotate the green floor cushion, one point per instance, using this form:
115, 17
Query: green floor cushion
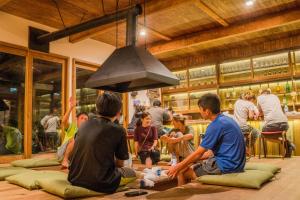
247, 179
263, 167
63, 188
35, 162
9, 171
125, 181
29, 179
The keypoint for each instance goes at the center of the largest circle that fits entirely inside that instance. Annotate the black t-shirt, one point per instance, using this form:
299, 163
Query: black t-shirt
98, 142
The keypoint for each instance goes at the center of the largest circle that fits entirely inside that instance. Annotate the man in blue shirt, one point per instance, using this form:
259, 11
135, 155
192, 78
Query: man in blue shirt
222, 149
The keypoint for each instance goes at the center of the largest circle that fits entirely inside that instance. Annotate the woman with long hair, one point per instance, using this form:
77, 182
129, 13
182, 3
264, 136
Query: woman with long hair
145, 137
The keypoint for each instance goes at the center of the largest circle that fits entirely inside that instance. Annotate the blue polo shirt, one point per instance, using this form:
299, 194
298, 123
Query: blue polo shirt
224, 137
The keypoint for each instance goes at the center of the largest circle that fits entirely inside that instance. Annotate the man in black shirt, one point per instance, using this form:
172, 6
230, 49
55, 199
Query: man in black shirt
100, 149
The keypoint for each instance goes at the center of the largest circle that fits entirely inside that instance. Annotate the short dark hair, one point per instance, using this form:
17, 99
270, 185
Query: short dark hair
82, 113
108, 104
210, 101
156, 102
142, 116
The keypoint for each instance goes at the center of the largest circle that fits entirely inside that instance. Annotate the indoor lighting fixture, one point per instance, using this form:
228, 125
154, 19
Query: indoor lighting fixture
249, 2
142, 32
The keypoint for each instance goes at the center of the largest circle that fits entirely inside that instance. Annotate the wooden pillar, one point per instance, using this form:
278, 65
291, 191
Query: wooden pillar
125, 110
20, 105
28, 108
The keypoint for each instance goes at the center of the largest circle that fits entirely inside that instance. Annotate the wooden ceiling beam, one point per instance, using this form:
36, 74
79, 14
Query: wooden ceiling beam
227, 34
3, 2
212, 14
151, 8
154, 32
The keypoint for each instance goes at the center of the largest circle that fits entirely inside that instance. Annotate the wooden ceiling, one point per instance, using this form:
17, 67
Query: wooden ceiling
174, 28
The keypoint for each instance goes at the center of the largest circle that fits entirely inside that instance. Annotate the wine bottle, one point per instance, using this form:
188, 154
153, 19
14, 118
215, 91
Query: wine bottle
287, 87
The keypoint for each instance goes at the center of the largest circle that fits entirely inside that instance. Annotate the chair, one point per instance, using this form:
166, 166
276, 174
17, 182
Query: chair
278, 137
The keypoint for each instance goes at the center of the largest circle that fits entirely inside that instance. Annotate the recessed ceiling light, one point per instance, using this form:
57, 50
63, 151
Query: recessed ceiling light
249, 2
142, 32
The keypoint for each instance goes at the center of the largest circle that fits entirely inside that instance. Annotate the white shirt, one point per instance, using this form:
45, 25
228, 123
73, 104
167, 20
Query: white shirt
241, 111
271, 107
51, 123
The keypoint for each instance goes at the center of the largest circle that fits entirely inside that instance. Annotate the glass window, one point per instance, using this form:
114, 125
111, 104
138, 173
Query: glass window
12, 82
85, 97
46, 103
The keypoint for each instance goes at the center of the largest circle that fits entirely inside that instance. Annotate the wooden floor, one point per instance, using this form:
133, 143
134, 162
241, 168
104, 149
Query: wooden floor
286, 186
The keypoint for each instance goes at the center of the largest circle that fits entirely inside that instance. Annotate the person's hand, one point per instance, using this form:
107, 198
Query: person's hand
173, 134
72, 102
152, 148
163, 138
173, 171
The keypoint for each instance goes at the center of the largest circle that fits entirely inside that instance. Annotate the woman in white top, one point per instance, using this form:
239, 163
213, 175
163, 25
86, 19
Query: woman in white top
245, 109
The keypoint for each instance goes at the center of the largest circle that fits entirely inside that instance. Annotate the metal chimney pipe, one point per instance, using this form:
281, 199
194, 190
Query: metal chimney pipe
131, 24
131, 13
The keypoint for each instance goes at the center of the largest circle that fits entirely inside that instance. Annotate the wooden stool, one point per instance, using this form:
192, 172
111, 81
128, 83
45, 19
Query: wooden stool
130, 136
278, 137
251, 146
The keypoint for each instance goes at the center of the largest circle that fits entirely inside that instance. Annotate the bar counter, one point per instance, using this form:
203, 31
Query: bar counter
293, 133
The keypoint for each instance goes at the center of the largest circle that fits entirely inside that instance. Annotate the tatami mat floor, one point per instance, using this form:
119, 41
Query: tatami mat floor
284, 187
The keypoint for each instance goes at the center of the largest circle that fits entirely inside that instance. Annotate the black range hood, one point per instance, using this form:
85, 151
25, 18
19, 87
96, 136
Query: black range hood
131, 68
127, 69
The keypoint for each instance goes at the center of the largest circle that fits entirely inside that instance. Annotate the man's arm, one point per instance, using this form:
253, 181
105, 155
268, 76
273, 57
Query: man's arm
179, 139
65, 119
173, 171
119, 163
136, 148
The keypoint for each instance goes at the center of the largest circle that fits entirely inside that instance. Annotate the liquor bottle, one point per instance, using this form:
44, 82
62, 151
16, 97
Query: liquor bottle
286, 108
287, 87
278, 88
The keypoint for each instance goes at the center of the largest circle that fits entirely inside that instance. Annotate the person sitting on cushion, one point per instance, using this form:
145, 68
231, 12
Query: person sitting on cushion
66, 148
223, 137
180, 139
100, 149
145, 141
10, 140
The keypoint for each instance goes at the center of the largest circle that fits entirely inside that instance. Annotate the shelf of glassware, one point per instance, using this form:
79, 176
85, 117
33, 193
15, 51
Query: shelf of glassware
283, 89
179, 101
272, 66
235, 71
182, 76
202, 77
297, 62
195, 96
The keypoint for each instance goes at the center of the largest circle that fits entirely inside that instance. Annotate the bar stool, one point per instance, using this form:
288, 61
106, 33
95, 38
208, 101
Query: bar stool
278, 137
130, 136
251, 146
